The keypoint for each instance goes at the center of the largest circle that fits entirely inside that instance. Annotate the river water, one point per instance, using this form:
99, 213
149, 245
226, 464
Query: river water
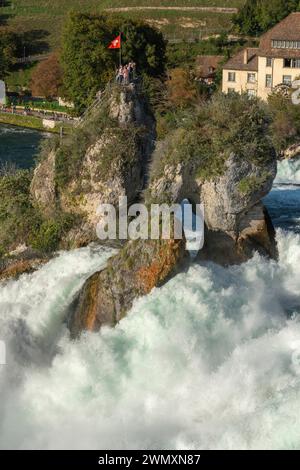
209, 361
18, 145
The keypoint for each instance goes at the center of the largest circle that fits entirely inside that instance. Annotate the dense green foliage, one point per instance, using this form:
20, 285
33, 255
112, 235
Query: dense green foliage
257, 16
286, 121
17, 216
184, 53
21, 222
226, 124
8, 50
88, 63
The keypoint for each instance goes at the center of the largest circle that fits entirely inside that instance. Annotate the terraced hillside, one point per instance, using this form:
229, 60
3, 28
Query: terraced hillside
177, 19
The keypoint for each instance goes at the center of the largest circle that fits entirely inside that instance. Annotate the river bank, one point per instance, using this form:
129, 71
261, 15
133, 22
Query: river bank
31, 122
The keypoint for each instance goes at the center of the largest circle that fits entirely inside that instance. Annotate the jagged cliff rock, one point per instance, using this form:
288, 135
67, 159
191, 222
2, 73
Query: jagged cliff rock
291, 152
108, 295
236, 222
105, 158
43, 185
225, 160
23, 260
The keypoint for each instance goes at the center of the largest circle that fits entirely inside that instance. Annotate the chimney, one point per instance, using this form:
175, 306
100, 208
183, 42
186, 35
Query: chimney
245, 56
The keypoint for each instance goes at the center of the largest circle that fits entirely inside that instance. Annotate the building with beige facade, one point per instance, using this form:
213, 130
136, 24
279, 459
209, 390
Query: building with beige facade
258, 71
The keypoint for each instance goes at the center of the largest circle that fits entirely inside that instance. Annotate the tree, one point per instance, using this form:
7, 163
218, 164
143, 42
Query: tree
88, 63
7, 52
286, 121
257, 16
47, 78
181, 89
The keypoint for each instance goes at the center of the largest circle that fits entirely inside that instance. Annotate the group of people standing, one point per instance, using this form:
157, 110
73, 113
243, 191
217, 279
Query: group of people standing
126, 73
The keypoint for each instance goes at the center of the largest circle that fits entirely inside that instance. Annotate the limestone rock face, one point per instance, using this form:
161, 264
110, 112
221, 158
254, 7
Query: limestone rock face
237, 224
114, 165
23, 260
230, 197
99, 188
291, 152
108, 295
43, 185
127, 107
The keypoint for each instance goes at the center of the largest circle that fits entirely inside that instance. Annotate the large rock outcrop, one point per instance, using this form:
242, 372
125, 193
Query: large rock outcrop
119, 135
43, 185
237, 224
221, 155
108, 295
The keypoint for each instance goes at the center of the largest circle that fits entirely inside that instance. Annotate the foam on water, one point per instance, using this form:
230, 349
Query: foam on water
210, 360
207, 361
288, 172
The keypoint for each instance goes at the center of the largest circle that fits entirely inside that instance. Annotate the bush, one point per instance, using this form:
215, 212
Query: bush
46, 236
17, 215
181, 88
21, 222
211, 133
286, 121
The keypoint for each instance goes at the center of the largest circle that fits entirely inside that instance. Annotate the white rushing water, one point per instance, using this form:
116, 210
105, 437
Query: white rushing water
288, 172
211, 360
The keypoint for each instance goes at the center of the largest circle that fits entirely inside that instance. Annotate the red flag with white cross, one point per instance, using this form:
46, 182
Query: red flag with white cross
116, 43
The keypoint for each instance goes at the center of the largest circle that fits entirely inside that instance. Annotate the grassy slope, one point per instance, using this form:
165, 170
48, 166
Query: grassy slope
49, 15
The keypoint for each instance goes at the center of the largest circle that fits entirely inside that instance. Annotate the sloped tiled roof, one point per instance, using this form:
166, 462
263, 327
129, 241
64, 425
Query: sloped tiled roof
237, 62
204, 63
288, 30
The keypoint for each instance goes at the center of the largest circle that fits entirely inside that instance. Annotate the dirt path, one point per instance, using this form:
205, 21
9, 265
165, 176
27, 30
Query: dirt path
204, 9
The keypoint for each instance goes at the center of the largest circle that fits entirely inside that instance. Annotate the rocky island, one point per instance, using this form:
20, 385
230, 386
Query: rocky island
222, 157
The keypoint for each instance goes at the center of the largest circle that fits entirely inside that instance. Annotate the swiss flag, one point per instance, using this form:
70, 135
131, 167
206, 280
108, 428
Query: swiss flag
116, 43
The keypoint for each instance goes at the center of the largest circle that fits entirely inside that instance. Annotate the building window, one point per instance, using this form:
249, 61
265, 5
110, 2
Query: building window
287, 79
251, 93
231, 76
231, 90
269, 61
251, 78
291, 63
281, 44
268, 81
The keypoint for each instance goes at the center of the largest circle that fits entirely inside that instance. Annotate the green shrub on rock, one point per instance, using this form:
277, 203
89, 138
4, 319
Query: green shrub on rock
228, 124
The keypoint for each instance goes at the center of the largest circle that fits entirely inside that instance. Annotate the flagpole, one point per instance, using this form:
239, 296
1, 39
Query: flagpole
120, 48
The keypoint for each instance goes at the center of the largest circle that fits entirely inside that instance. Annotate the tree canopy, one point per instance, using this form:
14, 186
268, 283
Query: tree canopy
257, 16
88, 63
47, 78
7, 52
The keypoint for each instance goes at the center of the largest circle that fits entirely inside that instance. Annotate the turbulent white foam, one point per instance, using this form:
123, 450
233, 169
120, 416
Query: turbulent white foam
208, 361
288, 172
